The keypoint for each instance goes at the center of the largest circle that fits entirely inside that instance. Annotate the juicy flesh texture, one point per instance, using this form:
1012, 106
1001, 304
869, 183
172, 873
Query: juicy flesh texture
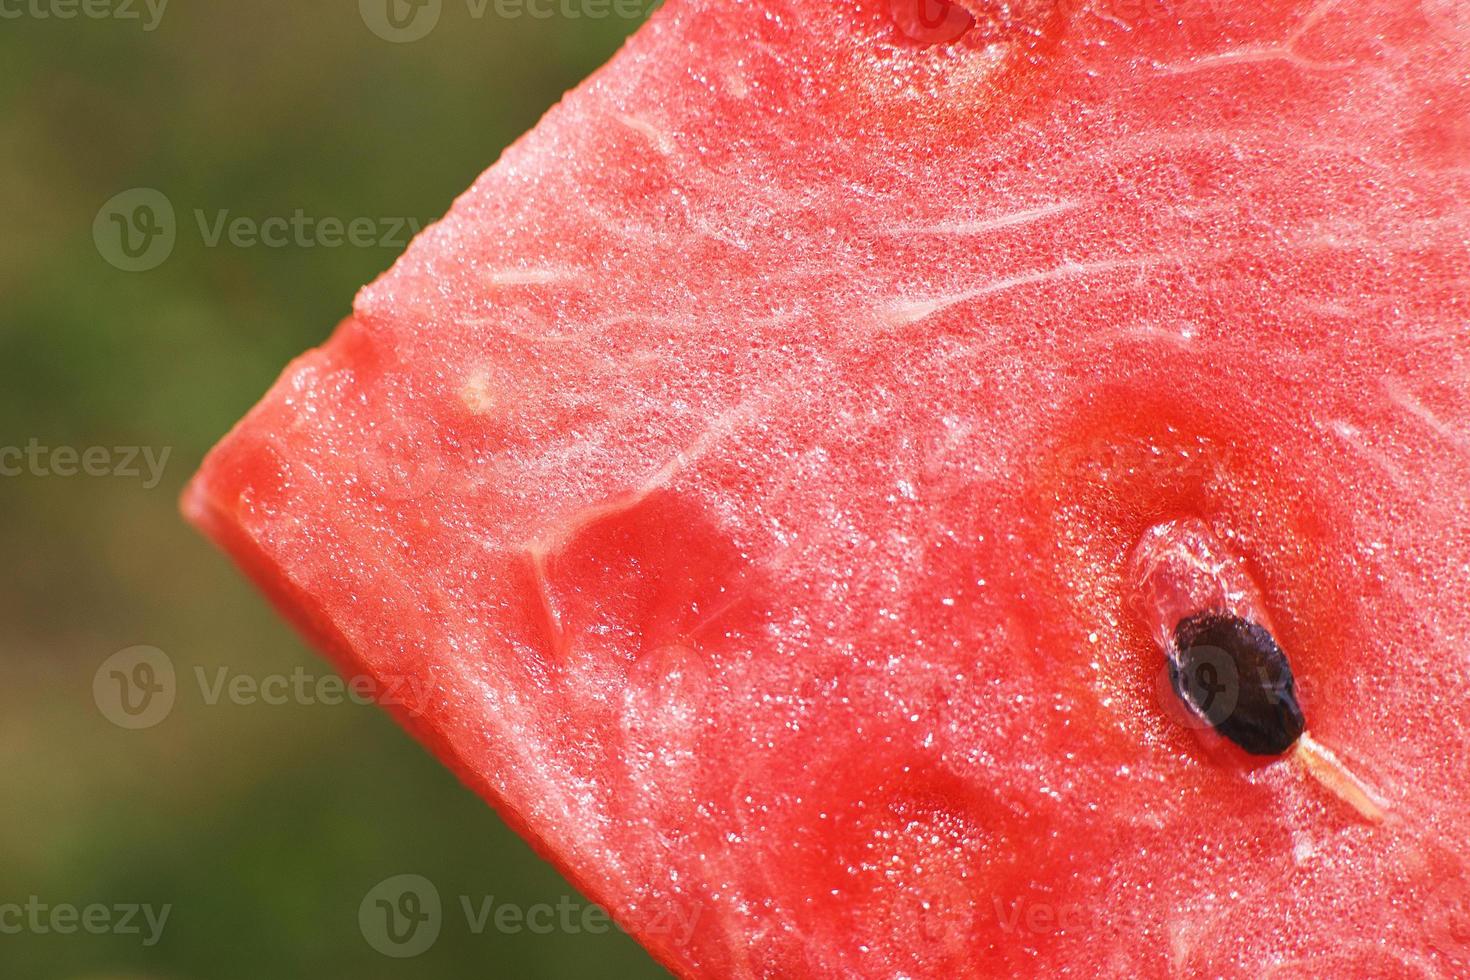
746, 469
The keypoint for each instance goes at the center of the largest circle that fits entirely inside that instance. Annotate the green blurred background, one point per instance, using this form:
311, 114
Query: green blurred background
263, 827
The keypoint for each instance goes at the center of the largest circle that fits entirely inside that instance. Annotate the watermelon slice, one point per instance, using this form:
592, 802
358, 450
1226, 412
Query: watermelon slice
751, 471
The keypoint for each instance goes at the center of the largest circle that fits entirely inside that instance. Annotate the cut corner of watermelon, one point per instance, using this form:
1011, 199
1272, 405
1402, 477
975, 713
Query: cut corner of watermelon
209, 508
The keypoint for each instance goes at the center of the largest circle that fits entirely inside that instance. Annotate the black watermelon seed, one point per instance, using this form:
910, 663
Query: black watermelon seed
1232, 674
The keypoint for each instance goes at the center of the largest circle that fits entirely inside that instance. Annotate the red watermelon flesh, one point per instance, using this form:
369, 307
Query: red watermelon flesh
743, 478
